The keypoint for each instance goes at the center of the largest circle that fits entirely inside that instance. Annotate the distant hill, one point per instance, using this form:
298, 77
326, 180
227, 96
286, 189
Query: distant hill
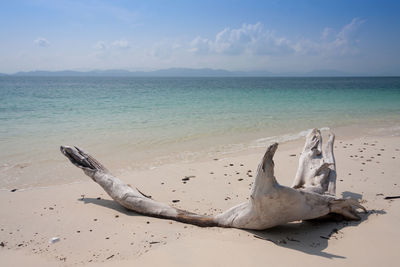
180, 72
191, 72
327, 73
66, 73
172, 72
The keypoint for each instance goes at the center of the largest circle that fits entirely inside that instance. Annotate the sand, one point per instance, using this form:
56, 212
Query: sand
96, 231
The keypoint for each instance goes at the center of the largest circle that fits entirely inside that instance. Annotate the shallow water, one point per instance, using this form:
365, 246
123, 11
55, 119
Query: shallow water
142, 122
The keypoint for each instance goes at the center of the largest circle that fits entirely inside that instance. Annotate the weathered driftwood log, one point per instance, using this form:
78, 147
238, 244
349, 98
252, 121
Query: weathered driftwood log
311, 196
317, 170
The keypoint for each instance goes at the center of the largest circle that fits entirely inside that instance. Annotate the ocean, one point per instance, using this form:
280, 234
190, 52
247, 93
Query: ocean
138, 123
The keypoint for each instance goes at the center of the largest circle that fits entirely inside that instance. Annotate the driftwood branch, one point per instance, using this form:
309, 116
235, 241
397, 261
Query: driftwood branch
317, 169
311, 196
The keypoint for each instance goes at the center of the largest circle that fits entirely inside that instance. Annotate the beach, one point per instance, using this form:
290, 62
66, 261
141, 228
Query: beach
193, 143
140, 133
93, 230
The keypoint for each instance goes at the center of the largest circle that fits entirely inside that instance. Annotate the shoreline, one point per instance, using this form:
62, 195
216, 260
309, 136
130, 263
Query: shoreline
40, 172
99, 232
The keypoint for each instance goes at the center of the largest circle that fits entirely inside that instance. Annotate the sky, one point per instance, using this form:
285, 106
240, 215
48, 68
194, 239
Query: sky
357, 37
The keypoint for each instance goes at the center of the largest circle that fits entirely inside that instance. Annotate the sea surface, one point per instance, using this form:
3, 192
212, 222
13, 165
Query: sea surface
145, 122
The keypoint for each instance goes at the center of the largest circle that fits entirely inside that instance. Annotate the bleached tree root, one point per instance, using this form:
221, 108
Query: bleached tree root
130, 197
317, 168
270, 203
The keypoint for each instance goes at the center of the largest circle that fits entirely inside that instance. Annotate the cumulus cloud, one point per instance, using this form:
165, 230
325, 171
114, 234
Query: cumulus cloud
120, 44
42, 42
200, 45
249, 38
343, 42
254, 39
349, 32
100, 45
247, 46
350, 29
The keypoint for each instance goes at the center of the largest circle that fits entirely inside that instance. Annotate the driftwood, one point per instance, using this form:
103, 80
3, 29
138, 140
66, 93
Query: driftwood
311, 196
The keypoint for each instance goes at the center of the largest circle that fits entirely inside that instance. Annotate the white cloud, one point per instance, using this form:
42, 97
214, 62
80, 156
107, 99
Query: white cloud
104, 47
120, 44
246, 47
349, 31
249, 38
100, 45
342, 43
200, 45
255, 40
42, 42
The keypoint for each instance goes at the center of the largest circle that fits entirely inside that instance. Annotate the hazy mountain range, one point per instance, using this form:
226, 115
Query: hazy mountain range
177, 72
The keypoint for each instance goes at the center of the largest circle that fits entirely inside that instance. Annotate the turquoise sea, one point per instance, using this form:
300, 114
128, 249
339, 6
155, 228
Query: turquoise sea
154, 120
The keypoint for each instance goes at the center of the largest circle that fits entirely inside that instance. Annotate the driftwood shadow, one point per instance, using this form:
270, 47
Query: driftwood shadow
348, 194
310, 237
111, 204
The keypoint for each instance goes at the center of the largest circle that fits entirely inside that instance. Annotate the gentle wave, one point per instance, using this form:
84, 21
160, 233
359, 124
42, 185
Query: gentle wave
262, 142
228, 149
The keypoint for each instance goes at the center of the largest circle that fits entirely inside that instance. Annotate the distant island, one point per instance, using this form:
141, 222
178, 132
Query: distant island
179, 72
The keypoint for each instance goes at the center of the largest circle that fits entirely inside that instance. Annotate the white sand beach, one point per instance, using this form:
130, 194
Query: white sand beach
181, 101
96, 231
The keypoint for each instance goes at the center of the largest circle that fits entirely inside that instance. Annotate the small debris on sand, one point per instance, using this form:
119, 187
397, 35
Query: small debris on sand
392, 197
187, 178
334, 231
54, 240
264, 238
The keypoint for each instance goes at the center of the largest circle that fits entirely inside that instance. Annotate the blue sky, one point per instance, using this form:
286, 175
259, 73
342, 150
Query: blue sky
360, 37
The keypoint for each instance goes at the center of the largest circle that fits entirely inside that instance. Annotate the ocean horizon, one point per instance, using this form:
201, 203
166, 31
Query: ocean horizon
142, 122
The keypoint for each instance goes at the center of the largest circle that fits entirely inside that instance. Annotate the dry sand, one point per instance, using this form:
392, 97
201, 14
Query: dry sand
95, 231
